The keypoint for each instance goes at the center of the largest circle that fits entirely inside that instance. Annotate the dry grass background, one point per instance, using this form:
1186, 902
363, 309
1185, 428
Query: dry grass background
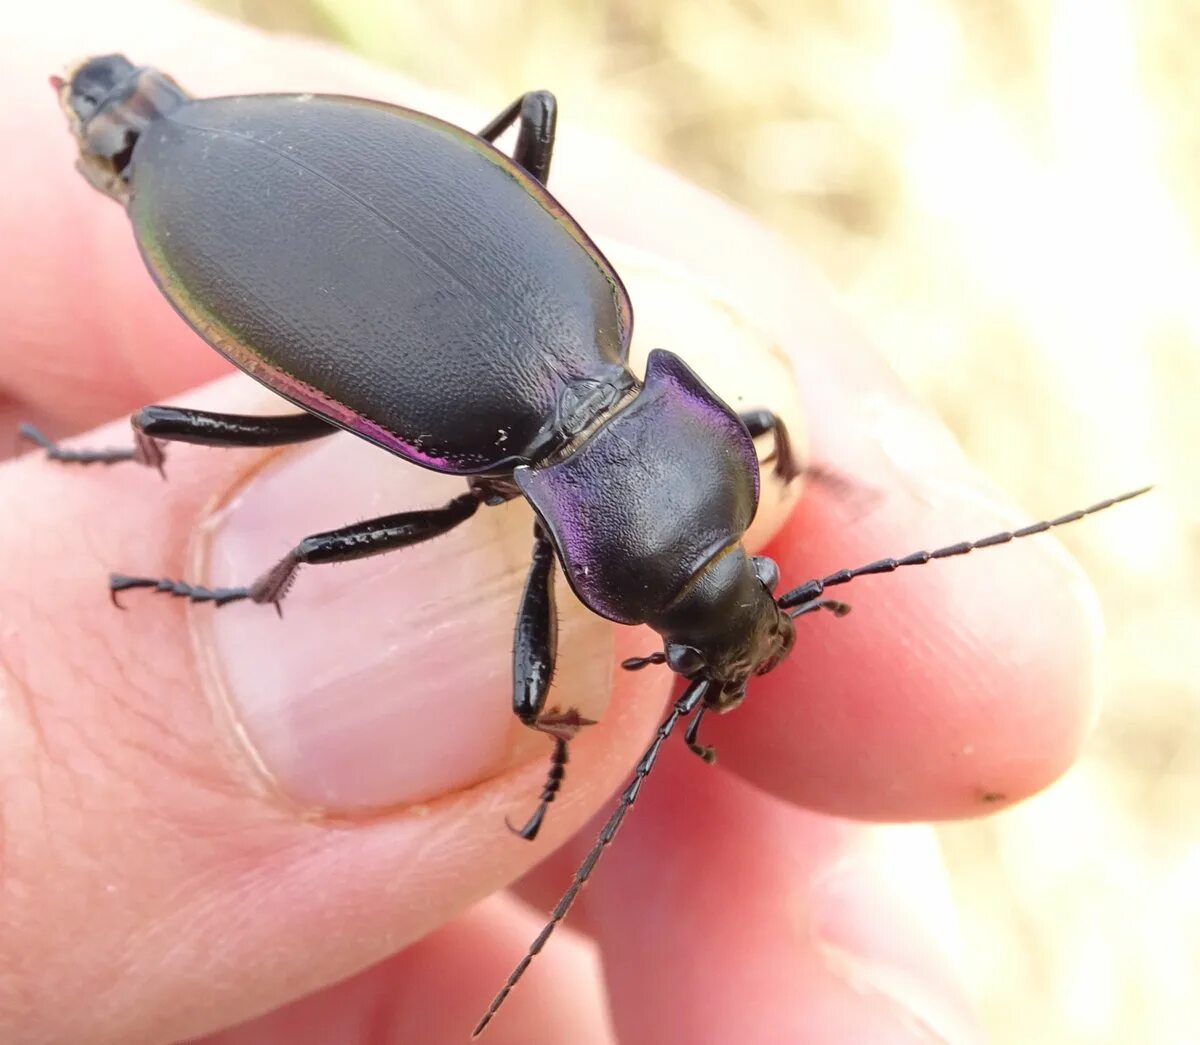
1005, 193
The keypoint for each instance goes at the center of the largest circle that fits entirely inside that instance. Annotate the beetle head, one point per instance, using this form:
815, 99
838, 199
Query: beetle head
108, 102
725, 626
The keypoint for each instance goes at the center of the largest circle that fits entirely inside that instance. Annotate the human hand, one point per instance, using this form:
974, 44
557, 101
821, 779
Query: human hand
158, 886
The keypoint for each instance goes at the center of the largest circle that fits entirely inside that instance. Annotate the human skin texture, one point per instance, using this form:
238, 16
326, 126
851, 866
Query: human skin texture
222, 826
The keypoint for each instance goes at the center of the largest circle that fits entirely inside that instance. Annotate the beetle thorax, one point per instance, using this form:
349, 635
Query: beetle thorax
109, 103
725, 625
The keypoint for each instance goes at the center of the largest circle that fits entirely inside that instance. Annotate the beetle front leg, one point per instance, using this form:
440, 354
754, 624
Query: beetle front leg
691, 737
760, 422
787, 467
373, 537
154, 424
537, 112
535, 648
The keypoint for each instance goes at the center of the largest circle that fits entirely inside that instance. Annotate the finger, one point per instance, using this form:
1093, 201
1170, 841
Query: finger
431, 991
723, 914
163, 878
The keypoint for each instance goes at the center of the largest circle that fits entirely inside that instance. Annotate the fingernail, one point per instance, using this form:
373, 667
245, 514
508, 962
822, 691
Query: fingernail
883, 924
388, 680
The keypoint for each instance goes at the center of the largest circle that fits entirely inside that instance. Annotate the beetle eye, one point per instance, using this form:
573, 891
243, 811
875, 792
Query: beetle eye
766, 571
684, 660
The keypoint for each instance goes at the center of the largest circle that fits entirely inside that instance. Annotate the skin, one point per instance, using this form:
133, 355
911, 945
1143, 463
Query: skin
155, 889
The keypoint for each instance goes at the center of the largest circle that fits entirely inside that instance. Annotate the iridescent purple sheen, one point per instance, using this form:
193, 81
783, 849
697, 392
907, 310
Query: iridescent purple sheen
653, 495
304, 395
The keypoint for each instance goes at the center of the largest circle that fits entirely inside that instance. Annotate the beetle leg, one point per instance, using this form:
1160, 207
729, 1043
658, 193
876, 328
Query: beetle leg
537, 112
154, 424
373, 537
787, 467
535, 647
206, 428
760, 422
708, 754
144, 450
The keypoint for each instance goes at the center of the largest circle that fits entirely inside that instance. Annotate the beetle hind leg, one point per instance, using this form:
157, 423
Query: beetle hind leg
154, 425
535, 649
373, 537
145, 450
562, 727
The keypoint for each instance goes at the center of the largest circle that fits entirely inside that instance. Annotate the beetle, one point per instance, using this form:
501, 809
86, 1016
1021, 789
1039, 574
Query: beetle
402, 279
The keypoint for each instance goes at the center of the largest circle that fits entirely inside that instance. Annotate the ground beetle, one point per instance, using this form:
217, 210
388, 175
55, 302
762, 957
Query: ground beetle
402, 279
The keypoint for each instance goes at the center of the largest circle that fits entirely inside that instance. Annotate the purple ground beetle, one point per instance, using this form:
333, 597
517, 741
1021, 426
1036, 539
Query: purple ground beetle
404, 280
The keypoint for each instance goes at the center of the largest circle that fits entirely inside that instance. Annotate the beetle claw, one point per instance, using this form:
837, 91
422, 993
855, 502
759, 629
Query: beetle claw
534, 824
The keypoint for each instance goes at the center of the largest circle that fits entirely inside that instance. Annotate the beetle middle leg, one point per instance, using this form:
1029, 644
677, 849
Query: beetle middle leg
535, 648
691, 737
154, 424
537, 112
373, 537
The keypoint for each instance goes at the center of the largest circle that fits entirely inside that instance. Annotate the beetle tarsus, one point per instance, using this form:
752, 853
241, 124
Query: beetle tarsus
145, 451
707, 754
684, 706
55, 452
119, 582
553, 782
563, 727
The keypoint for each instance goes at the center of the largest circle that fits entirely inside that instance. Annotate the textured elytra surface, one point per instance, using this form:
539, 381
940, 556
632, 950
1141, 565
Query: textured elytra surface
379, 267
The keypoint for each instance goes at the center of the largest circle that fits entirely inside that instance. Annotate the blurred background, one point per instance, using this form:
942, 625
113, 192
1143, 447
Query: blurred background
1005, 195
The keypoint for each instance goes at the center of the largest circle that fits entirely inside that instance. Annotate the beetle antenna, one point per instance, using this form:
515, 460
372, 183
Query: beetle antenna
810, 590
684, 706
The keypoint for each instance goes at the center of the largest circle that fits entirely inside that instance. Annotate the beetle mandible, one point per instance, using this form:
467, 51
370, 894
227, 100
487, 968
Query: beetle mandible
425, 292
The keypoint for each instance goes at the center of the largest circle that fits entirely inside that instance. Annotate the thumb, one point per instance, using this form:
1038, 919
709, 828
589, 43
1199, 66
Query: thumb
193, 796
